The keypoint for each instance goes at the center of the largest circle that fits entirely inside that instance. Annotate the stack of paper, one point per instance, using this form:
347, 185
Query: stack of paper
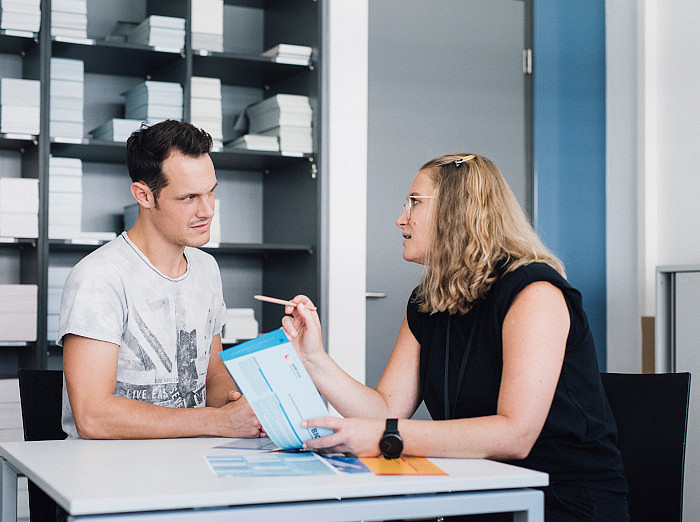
56, 281
240, 324
205, 107
20, 15
69, 18
116, 129
154, 101
19, 207
19, 106
67, 87
287, 53
286, 116
18, 312
256, 142
208, 25
165, 32
65, 197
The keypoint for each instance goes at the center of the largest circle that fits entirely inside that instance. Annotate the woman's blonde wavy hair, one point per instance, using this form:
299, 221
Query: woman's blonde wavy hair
478, 229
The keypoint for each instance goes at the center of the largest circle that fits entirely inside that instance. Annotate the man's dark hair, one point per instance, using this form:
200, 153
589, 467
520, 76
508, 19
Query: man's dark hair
147, 147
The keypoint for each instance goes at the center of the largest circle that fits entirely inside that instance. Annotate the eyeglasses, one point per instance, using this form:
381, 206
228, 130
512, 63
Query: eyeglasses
411, 202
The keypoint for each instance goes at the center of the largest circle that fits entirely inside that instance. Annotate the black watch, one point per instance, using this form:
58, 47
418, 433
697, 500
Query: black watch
391, 444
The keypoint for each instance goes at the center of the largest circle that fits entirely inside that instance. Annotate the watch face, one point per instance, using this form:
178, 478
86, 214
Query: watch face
391, 445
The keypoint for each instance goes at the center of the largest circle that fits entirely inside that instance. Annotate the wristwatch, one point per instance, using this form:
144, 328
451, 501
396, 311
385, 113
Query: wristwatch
391, 444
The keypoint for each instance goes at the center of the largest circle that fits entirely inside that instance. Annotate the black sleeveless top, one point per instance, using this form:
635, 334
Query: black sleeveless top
577, 445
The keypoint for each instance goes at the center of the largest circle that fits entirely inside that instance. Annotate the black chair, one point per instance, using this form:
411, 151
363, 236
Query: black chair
41, 393
651, 412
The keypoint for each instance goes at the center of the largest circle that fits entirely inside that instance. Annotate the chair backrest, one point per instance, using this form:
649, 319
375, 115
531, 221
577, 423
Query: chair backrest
651, 412
41, 398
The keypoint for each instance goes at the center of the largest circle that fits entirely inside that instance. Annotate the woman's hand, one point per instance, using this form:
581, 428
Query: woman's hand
359, 437
303, 328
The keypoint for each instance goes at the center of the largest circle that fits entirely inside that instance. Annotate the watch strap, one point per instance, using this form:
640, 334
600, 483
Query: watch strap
392, 426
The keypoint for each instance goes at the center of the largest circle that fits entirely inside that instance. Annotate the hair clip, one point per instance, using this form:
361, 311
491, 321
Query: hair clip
461, 160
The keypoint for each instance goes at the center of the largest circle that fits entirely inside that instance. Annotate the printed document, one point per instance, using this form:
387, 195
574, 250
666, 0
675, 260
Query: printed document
273, 379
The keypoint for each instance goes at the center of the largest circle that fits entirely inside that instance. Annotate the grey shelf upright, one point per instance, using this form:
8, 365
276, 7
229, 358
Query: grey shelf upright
270, 201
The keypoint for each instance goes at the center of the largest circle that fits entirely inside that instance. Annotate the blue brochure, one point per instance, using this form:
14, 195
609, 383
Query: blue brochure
273, 379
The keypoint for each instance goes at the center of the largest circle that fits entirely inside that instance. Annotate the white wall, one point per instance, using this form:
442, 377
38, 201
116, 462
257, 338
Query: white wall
653, 183
345, 96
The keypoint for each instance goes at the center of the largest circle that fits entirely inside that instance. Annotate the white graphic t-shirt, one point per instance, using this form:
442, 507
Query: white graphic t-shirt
164, 327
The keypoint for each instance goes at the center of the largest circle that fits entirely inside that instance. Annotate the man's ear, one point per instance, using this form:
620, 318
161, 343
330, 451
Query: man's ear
143, 194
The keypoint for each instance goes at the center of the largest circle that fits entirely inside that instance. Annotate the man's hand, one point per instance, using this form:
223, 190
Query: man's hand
237, 418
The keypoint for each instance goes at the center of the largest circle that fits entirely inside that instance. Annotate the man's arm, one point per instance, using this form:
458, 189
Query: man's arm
90, 368
219, 381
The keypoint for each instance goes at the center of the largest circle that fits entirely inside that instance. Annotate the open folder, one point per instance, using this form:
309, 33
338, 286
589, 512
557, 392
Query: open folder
268, 371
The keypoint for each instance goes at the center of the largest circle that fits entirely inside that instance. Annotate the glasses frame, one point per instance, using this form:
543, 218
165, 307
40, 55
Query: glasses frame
407, 205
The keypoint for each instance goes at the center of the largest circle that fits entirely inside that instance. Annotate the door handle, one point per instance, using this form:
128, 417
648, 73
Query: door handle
375, 295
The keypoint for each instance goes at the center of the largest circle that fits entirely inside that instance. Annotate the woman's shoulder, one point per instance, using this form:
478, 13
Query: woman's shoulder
531, 273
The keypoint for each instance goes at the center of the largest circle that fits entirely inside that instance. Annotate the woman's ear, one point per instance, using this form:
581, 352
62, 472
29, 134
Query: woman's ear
143, 194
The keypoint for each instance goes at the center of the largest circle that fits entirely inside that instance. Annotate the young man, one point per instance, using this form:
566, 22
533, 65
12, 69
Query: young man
141, 316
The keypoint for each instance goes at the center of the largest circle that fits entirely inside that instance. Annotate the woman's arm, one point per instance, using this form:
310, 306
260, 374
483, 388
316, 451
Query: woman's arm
396, 395
535, 330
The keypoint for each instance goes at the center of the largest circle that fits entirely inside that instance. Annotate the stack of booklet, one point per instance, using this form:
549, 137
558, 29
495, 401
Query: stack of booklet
69, 18
154, 101
56, 281
205, 107
287, 53
116, 129
20, 15
256, 142
67, 87
165, 32
18, 312
208, 25
19, 207
19, 106
65, 197
287, 117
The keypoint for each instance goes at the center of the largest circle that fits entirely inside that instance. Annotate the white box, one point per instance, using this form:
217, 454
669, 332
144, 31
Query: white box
206, 108
64, 19
116, 129
210, 42
208, 16
69, 6
240, 324
19, 224
280, 118
19, 195
70, 184
17, 92
19, 120
292, 139
66, 129
57, 275
67, 103
202, 87
18, 326
65, 200
69, 115
66, 88
58, 164
211, 125
67, 69
18, 298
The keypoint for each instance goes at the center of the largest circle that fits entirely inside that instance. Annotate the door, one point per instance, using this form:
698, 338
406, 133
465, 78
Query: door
444, 77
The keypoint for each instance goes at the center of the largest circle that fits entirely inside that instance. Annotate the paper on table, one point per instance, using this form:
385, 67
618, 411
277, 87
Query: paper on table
273, 379
402, 466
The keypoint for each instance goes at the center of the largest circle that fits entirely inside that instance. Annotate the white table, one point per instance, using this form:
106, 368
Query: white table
170, 479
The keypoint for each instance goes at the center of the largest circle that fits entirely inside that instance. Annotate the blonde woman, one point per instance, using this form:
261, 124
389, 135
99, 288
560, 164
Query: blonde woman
495, 341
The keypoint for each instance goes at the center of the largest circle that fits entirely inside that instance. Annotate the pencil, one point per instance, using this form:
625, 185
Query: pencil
280, 301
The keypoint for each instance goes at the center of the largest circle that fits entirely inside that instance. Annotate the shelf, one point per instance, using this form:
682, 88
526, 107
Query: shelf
17, 141
15, 344
19, 242
69, 245
124, 59
115, 152
17, 42
248, 70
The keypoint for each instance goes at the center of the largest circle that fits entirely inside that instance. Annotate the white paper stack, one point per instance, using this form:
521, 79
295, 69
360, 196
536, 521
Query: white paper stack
286, 116
116, 129
19, 207
288, 53
165, 32
257, 142
208, 25
67, 94
65, 197
19, 106
18, 312
154, 101
20, 15
56, 281
240, 324
205, 107
69, 18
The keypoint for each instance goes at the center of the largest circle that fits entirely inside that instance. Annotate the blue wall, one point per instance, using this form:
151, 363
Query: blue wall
569, 145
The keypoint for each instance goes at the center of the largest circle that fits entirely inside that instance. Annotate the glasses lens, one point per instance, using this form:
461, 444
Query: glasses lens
407, 208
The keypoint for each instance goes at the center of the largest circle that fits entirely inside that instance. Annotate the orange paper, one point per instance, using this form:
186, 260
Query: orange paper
402, 466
